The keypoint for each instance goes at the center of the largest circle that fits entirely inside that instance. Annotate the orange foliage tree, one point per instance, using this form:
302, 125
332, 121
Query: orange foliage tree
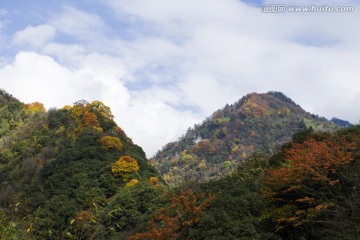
83, 116
174, 222
303, 186
154, 181
124, 167
89, 120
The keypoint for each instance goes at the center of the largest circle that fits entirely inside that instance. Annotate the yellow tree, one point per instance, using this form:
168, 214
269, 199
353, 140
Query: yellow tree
111, 143
131, 183
124, 167
34, 107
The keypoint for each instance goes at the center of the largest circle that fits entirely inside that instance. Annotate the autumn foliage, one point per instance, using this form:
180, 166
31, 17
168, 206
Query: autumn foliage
154, 181
124, 167
303, 186
255, 106
34, 107
111, 143
174, 222
102, 109
87, 115
132, 182
314, 160
89, 120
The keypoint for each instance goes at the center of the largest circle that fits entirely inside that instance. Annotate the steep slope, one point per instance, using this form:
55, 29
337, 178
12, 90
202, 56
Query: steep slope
257, 122
66, 172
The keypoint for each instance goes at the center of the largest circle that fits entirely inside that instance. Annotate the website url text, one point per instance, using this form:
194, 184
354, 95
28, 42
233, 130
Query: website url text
282, 8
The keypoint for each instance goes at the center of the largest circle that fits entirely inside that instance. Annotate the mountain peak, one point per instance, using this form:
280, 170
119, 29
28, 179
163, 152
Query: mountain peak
281, 96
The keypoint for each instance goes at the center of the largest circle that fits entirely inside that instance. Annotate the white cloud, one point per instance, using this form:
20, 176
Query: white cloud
34, 77
152, 123
34, 36
185, 59
78, 23
229, 48
64, 53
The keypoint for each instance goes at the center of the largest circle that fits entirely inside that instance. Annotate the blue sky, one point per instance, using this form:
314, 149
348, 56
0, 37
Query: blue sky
164, 65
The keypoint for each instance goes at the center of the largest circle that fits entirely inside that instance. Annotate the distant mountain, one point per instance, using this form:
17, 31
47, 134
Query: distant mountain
256, 123
341, 123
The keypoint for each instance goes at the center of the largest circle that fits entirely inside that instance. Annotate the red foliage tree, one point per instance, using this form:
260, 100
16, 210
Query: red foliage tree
173, 222
303, 186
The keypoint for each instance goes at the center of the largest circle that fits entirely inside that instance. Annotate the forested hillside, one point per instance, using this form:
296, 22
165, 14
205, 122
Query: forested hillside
308, 190
256, 123
70, 173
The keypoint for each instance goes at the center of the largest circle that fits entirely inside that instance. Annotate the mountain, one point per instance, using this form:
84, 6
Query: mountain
256, 123
70, 173
340, 122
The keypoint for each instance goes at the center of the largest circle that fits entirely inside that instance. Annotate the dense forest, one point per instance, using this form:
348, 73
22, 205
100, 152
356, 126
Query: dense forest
70, 173
73, 173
